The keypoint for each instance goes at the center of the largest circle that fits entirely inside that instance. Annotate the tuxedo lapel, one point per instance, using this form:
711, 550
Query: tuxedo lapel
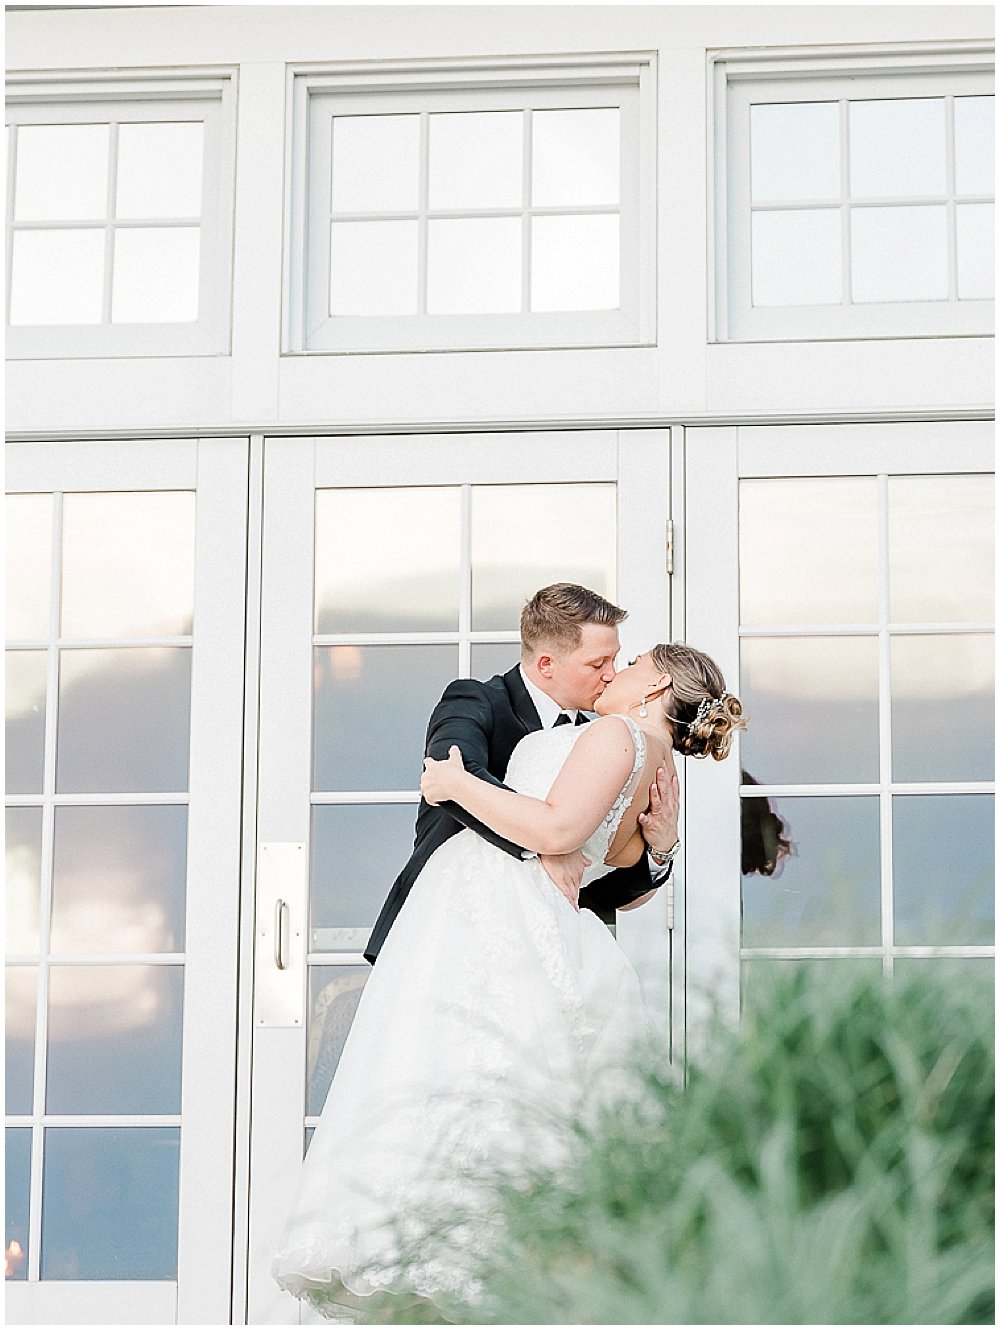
520, 700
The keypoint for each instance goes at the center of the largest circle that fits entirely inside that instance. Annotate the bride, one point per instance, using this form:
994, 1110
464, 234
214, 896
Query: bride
497, 1006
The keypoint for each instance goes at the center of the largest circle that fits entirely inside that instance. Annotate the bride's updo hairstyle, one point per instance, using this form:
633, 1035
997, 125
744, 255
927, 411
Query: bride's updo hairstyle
703, 715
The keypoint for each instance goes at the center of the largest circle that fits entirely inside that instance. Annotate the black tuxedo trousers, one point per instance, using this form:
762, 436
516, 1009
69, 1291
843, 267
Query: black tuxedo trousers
486, 721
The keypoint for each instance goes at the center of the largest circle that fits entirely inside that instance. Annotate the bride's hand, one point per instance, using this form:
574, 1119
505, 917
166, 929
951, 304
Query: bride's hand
440, 780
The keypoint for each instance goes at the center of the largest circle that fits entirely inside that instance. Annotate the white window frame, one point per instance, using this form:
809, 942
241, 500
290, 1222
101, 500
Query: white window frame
316, 94
206, 96
736, 80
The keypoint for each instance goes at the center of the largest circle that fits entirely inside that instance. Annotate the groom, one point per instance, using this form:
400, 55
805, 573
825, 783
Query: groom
569, 641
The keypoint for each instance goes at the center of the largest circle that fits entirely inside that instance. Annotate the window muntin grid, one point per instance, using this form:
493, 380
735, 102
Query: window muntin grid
781, 918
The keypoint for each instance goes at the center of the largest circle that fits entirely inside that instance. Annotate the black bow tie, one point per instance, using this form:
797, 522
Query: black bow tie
563, 719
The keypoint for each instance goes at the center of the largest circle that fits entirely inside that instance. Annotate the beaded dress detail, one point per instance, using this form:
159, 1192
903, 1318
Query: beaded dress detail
494, 1007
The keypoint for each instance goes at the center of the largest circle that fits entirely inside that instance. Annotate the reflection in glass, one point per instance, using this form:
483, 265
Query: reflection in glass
974, 240
940, 549
795, 257
575, 263
334, 994
109, 1203
972, 975
23, 871
376, 162
474, 265
370, 713
575, 157
794, 152
17, 1163
21, 1002
897, 147
828, 892
373, 268
942, 869
899, 254
28, 543
760, 973
809, 550
156, 274
57, 277
476, 159
974, 146
128, 564
118, 879
349, 879
124, 719
25, 754
387, 559
62, 173
159, 169
814, 708
489, 658
528, 536
114, 1039
942, 708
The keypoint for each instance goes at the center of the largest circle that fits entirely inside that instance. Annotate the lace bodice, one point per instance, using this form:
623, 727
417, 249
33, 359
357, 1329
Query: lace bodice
538, 759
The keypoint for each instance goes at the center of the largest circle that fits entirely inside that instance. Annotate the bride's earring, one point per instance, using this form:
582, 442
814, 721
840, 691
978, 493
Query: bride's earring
643, 709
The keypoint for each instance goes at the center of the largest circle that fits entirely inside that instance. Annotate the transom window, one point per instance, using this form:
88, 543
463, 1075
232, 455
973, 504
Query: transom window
471, 216
115, 222
859, 206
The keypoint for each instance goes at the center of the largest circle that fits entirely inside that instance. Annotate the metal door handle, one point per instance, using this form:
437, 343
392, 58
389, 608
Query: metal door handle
280, 932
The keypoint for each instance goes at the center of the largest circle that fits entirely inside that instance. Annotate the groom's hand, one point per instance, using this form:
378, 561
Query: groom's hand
659, 823
566, 873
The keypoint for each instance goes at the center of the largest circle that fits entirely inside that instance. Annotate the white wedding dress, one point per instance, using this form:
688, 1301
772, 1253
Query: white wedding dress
492, 1012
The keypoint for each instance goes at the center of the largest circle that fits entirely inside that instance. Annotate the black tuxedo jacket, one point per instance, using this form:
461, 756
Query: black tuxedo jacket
486, 721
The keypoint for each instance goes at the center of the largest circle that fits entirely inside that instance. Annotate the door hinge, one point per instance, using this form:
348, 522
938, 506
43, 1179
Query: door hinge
670, 547
670, 902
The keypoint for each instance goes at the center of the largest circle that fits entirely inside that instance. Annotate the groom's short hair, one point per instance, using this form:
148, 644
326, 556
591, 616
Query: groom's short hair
555, 615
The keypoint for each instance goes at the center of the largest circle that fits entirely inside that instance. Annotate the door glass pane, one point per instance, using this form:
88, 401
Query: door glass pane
156, 274
159, 170
489, 658
109, 1203
118, 879
334, 994
387, 559
57, 277
371, 705
528, 536
794, 152
575, 157
796, 257
476, 159
25, 754
376, 163
350, 880
124, 719
972, 975
128, 564
974, 145
575, 263
975, 242
114, 1039
942, 869
897, 147
23, 867
758, 974
21, 1001
18, 1188
942, 708
29, 564
899, 254
373, 267
809, 550
813, 707
474, 265
940, 549
62, 173
827, 892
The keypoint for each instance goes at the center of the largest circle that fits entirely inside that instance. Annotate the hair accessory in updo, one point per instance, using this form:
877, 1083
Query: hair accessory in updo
705, 708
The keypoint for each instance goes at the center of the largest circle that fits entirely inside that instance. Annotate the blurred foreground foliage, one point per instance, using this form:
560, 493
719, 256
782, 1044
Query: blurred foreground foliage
830, 1161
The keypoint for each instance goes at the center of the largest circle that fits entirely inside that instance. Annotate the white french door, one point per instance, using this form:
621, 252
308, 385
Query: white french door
842, 574
391, 565
125, 673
